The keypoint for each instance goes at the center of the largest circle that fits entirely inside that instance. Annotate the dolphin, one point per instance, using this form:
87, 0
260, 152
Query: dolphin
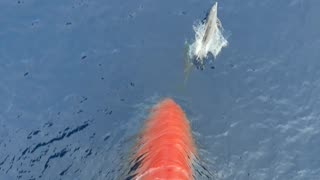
212, 24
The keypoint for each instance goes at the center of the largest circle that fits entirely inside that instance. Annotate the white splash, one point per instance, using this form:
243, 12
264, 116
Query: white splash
208, 37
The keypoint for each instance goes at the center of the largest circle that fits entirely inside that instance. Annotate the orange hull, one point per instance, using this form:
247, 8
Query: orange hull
165, 149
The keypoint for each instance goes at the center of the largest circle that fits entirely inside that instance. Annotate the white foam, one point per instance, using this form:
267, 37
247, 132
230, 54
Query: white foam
208, 37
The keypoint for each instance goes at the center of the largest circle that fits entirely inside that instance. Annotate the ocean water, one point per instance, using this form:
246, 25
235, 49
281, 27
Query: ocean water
77, 79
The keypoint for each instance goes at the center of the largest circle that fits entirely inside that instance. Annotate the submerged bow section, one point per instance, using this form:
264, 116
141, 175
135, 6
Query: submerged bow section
165, 148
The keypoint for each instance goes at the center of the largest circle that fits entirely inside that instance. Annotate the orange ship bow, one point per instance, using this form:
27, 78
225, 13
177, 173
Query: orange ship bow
165, 149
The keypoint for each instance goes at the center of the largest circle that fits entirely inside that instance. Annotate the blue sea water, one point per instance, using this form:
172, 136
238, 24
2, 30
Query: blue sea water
77, 79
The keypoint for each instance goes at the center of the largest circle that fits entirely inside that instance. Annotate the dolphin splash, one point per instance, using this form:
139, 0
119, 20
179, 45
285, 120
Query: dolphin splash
208, 38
